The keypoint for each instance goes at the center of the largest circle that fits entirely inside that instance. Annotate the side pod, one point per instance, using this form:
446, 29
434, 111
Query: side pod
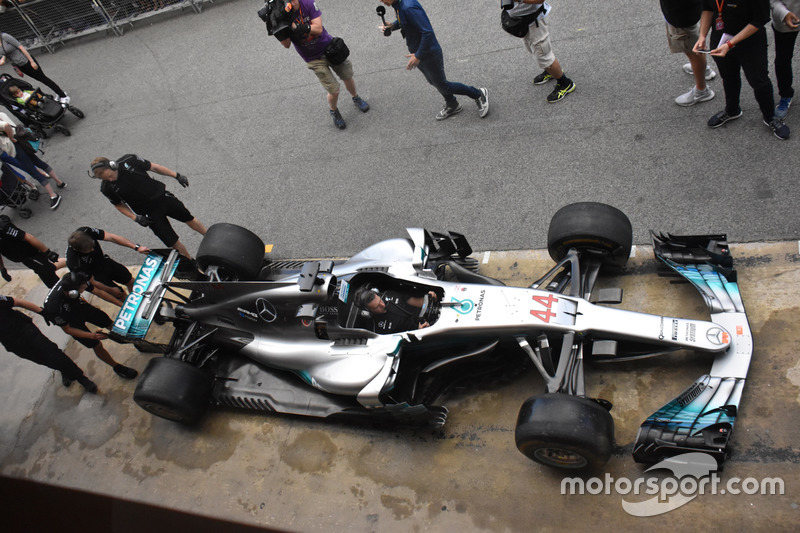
701, 419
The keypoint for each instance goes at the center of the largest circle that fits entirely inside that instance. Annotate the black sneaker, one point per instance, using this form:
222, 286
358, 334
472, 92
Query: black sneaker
125, 372
483, 103
87, 384
62, 185
65, 380
361, 104
55, 201
721, 118
447, 112
337, 119
542, 78
780, 129
560, 92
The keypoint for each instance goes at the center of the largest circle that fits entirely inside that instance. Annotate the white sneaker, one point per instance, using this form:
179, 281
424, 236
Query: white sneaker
710, 74
64, 100
694, 97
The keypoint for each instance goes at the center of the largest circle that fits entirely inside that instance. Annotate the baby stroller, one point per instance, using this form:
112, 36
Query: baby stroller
41, 112
14, 192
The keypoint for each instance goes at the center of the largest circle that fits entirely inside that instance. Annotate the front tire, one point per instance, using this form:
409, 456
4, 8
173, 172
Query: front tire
234, 248
174, 389
593, 227
564, 431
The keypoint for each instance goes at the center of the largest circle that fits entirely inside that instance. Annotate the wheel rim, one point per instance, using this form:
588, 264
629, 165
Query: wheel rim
560, 457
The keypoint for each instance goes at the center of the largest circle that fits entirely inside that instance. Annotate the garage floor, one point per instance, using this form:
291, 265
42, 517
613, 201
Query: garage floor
305, 475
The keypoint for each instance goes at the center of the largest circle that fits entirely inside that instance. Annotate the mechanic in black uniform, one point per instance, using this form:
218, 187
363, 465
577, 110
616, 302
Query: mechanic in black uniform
20, 336
24, 248
84, 254
393, 311
65, 308
143, 199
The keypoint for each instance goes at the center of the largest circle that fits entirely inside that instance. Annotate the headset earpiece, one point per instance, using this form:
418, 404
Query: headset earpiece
105, 164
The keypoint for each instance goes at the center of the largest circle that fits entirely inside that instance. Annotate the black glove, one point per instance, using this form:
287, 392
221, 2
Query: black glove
183, 180
143, 220
6, 275
46, 317
51, 256
301, 30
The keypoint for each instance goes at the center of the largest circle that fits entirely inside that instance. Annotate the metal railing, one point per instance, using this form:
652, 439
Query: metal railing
47, 23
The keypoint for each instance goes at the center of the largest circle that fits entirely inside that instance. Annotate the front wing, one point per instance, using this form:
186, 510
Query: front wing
701, 419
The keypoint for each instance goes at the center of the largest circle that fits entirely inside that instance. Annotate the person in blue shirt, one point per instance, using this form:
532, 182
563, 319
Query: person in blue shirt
426, 55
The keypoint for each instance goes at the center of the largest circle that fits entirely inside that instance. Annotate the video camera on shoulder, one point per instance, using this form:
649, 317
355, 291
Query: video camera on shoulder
277, 14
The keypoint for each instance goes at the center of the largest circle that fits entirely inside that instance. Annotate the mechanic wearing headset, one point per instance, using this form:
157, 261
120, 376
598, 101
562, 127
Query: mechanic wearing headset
143, 199
65, 308
392, 311
20, 336
85, 255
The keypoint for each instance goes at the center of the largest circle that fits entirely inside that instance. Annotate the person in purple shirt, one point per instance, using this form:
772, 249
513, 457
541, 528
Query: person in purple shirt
426, 54
310, 39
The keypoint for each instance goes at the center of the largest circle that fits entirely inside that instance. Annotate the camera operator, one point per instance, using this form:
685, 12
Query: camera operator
299, 22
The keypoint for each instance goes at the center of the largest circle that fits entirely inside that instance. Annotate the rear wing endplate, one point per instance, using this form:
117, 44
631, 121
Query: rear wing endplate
137, 313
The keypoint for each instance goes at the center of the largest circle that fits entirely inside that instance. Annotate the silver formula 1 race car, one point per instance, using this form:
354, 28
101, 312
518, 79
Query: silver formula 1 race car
296, 337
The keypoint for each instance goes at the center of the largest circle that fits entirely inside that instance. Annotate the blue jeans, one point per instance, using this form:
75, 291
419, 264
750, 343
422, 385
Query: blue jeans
432, 67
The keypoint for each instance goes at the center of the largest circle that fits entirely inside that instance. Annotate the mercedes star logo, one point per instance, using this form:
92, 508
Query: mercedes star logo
266, 310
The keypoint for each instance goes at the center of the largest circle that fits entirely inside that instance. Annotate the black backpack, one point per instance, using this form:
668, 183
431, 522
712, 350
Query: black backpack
518, 26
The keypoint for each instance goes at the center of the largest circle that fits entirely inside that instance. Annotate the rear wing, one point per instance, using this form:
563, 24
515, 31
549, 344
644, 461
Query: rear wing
701, 418
140, 307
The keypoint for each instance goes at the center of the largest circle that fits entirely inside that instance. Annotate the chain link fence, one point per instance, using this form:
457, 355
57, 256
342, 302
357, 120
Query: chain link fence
47, 23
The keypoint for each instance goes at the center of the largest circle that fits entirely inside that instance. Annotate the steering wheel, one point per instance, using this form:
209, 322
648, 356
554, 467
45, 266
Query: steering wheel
430, 310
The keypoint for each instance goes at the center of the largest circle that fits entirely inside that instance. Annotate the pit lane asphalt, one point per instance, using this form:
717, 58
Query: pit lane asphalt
212, 96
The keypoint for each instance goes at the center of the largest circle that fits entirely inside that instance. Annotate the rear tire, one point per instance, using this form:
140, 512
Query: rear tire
173, 389
61, 129
234, 248
591, 226
566, 432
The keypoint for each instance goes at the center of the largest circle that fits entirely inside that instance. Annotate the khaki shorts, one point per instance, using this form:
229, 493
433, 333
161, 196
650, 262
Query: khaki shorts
682, 39
322, 69
537, 41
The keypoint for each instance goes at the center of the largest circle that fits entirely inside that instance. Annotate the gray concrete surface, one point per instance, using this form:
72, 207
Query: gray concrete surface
214, 97
305, 475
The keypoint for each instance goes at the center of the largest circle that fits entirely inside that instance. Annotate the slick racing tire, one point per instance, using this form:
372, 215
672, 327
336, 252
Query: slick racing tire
591, 226
173, 389
237, 250
564, 431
